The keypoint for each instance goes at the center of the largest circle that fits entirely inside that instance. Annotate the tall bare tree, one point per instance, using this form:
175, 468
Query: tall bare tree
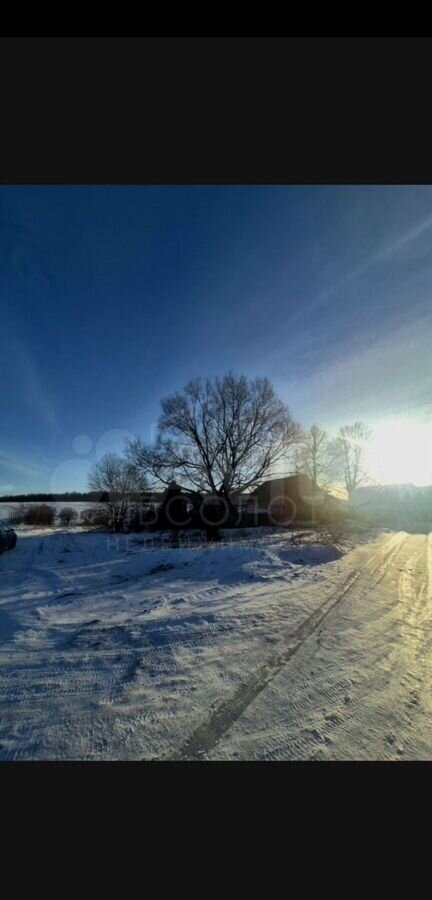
119, 486
218, 435
352, 440
318, 457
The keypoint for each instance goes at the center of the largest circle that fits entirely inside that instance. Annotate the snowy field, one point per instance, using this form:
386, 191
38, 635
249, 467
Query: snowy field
121, 647
7, 509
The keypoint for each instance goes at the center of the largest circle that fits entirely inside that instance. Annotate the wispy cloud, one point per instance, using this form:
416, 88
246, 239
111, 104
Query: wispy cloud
36, 395
391, 376
308, 324
22, 467
386, 252
25, 258
27, 372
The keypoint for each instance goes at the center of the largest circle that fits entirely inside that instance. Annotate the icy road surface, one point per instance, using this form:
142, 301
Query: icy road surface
112, 648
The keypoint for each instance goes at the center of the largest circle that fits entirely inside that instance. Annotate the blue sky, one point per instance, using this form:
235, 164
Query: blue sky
113, 296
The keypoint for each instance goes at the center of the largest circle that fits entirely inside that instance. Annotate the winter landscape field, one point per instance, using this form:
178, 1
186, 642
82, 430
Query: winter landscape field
271, 644
216, 453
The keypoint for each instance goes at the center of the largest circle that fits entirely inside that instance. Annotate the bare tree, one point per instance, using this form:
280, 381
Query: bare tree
352, 440
318, 457
218, 436
67, 515
119, 486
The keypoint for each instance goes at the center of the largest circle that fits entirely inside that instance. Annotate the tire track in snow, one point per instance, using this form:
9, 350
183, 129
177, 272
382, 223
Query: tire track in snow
209, 733
364, 698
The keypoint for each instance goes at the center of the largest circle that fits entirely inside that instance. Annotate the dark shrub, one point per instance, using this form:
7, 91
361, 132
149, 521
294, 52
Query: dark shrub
40, 514
68, 515
95, 517
173, 512
141, 517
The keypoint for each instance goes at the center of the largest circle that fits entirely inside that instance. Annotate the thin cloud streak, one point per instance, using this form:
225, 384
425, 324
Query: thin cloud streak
372, 261
353, 385
311, 306
16, 351
22, 467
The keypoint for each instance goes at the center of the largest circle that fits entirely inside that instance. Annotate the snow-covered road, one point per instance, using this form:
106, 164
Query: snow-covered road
359, 682
117, 648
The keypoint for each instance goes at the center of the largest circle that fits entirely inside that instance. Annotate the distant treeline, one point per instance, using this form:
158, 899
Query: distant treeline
90, 496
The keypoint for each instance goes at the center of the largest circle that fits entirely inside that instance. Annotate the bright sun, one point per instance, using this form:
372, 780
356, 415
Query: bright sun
400, 452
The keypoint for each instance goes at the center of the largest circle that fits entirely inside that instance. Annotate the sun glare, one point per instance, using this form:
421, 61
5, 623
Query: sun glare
400, 452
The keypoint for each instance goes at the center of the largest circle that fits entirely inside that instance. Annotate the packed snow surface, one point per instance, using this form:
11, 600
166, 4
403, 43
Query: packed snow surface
267, 645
